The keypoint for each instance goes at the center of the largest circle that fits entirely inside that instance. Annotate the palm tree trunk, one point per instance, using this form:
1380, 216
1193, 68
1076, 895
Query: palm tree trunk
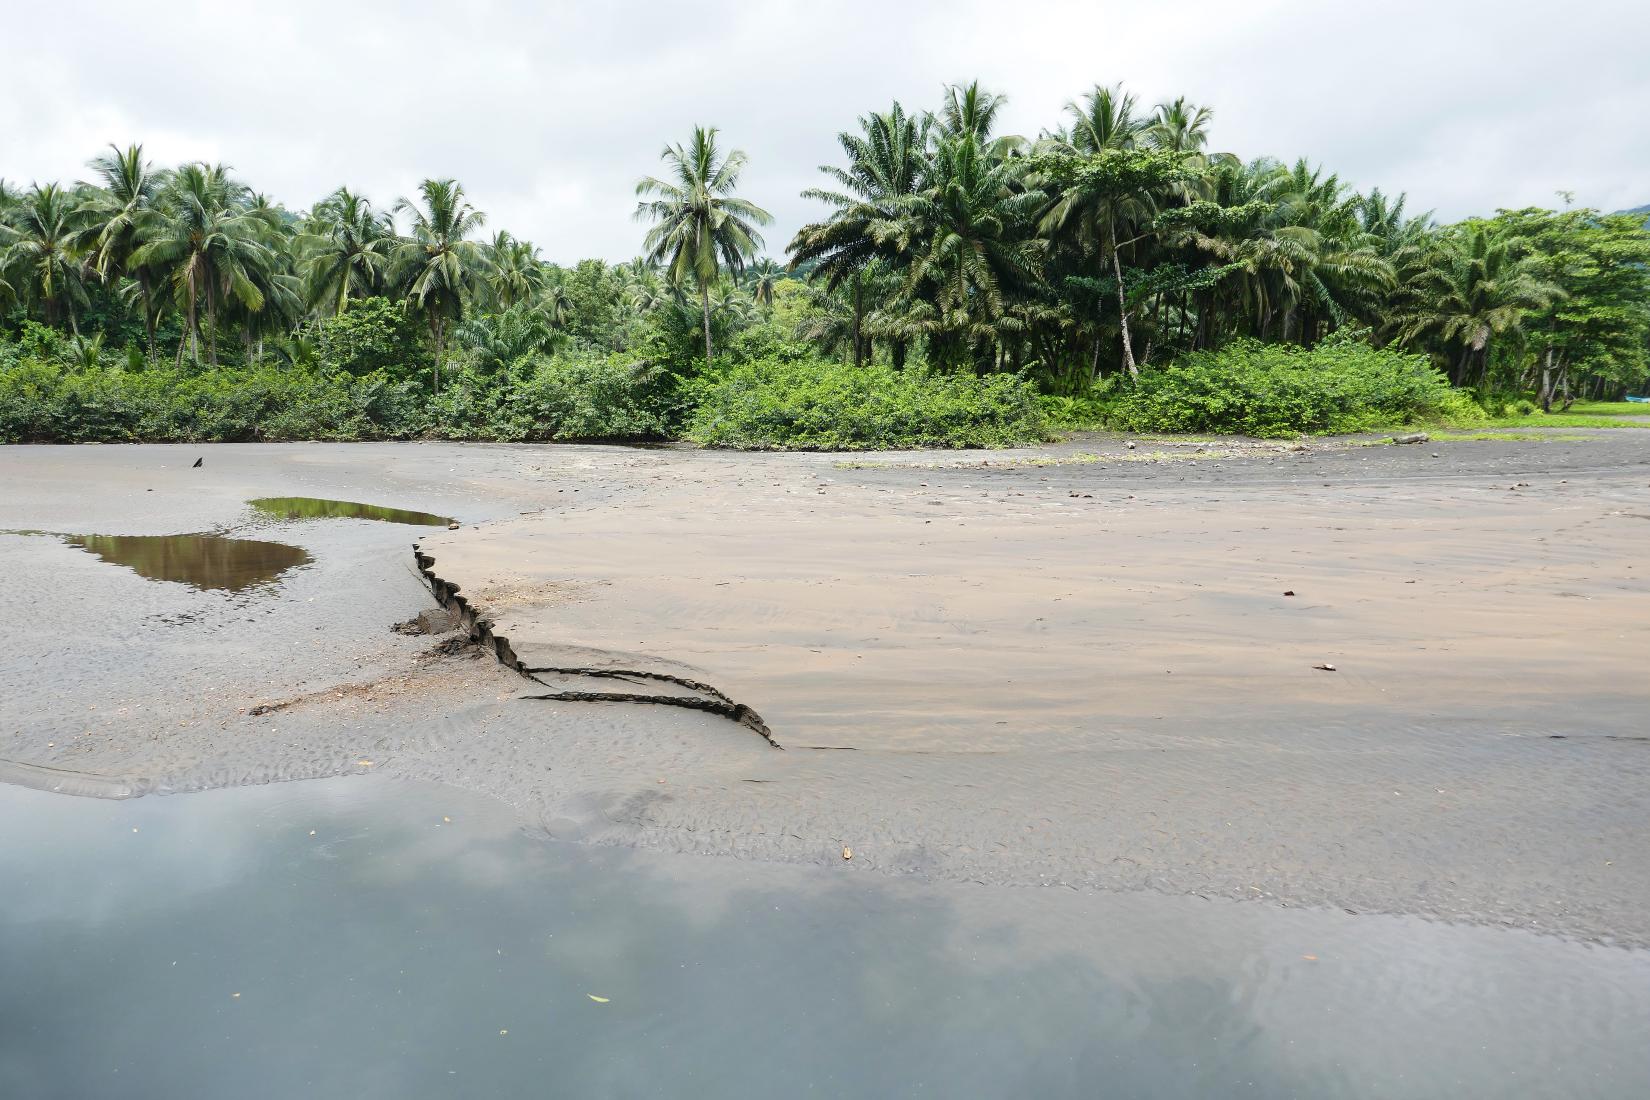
704, 309
211, 326
148, 315
1122, 306
194, 327
438, 326
859, 354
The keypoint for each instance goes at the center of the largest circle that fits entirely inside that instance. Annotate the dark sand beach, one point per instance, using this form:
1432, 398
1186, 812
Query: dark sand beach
1088, 665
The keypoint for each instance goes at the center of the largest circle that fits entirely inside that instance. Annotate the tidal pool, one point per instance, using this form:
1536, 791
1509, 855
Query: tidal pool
377, 938
199, 561
294, 508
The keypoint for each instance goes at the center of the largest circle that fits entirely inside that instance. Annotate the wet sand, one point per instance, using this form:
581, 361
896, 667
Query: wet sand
1075, 666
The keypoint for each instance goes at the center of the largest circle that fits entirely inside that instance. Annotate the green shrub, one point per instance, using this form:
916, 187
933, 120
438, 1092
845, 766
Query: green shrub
48, 403
563, 397
372, 335
601, 398
1076, 414
1258, 389
1458, 409
783, 404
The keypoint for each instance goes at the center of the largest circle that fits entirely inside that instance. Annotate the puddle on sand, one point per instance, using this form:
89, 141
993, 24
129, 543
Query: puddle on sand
319, 508
200, 561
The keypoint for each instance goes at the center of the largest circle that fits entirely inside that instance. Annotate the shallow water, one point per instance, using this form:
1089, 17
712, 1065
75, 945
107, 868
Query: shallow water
373, 938
296, 508
199, 561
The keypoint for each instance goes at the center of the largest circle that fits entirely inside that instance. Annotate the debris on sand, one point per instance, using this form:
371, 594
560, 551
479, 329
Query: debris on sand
1325, 667
1413, 437
435, 620
459, 645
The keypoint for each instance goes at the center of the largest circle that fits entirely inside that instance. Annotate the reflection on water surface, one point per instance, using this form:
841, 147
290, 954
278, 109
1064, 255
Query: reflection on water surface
200, 561
373, 938
318, 508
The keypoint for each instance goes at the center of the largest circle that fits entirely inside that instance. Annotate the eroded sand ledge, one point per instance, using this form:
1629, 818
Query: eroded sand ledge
983, 667
595, 665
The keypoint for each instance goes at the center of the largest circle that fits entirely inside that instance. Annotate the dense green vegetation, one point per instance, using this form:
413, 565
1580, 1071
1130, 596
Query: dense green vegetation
840, 407
1253, 388
1114, 263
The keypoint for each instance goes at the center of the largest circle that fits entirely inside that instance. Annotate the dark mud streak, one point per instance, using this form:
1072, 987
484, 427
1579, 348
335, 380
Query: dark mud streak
711, 700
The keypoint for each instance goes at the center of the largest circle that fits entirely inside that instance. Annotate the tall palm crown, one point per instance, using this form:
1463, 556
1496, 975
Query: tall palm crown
1298, 244
210, 244
118, 212
970, 109
1471, 288
1104, 119
119, 207
346, 247
699, 224
887, 161
763, 277
1179, 127
438, 268
514, 271
42, 253
972, 244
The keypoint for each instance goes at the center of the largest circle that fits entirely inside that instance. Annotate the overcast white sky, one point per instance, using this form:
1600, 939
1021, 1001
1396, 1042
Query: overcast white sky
549, 111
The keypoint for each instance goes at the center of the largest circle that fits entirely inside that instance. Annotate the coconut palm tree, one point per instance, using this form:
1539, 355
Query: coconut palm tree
43, 252
117, 214
438, 268
554, 301
346, 247
1103, 120
762, 278
1179, 127
887, 161
972, 248
514, 271
1471, 288
699, 224
211, 246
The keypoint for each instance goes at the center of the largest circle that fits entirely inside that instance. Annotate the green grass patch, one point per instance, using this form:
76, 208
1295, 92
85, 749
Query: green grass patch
1553, 420
1530, 437
1608, 408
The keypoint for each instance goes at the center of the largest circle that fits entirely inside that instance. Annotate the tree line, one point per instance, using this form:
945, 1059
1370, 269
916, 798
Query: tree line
1112, 242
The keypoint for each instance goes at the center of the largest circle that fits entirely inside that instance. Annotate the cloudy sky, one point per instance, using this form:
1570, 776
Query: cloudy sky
549, 111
